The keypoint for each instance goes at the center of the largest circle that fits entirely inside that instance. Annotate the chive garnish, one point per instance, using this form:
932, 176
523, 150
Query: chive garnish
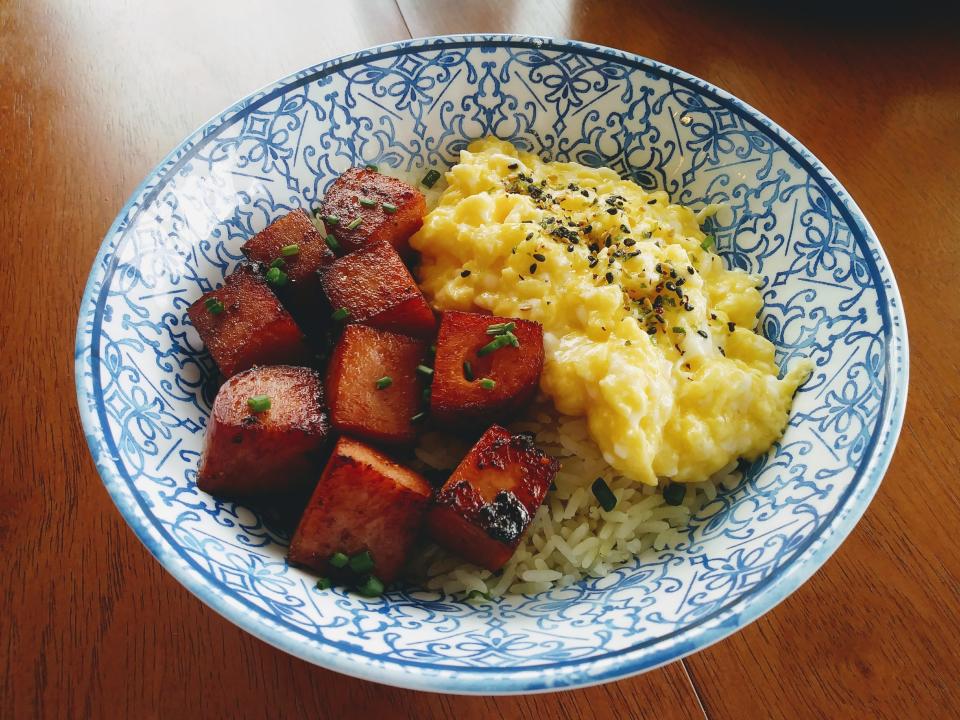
498, 342
487, 384
512, 339
679, 330
367, 202
673, 493
430, 179
418, 417
372, 166
339, 560
331, 219
340, 314
323, 584
371, 587
501, 328
279, 263
389, 208
604, 495
426, 395
384, 382
288, 250
355, 223
258, 403
332, 242
276, 276
468, 371
707, 242
424, 370
213, 306
362, 562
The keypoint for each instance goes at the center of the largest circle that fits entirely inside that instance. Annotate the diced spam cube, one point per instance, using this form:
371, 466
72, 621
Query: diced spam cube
374, 287
250, 453
301, 292
515, 371
364, 501
482, 511
395, 226
248, 326
361, 357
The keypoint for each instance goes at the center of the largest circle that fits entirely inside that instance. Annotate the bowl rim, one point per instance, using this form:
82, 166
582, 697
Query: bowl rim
806, 559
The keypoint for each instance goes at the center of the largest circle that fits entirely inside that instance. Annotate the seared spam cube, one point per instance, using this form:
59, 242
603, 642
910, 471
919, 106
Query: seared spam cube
372, 286
373, 387
364, 501
251, 451
388, 209
461, 393
243, 324
294, 240
482, 511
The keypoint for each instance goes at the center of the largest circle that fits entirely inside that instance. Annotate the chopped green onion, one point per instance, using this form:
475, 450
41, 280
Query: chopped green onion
513, 339
433, 350
330, 219
288, 250
468, 371
487, 384
258, 403
367, 202
276, 276
418, 417
332, 242
707, 242
340, 314
384, 382
362, 562
425, 395
339, 560
673, 493
475, 594
323, 584
604, 495
424, 370
279, 263
498, 342
213, 306
371, 587
430, 179
679, 330
389, 208
355, 223
501, 328
372, 166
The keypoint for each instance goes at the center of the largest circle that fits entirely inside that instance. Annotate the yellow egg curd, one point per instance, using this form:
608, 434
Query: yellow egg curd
646, 332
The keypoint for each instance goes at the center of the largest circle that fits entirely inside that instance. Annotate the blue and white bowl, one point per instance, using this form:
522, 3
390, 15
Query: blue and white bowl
143, 378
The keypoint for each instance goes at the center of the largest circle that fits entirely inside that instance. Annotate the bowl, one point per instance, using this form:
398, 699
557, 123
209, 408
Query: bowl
145, 383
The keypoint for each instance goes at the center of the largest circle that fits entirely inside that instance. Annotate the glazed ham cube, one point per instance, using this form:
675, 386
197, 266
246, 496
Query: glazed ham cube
474, 384
266, 433
295, 244
243, 324
364, 501
482, 511
388, 209
373, 387
373, 287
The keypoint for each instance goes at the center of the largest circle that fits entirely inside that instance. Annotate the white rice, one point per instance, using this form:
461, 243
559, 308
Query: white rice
570, 536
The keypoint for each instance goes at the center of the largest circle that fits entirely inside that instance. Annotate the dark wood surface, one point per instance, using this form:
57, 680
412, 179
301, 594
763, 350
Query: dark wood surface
94, 93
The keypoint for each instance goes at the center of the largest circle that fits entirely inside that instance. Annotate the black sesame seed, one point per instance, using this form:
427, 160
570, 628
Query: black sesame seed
513, 166
612, 210
592, 261
464, 273
609, 277
730, 325
569, 248
529, 235
652, 202
702, 334
585, 193
689, 269
629, 242
533, 268
539, 257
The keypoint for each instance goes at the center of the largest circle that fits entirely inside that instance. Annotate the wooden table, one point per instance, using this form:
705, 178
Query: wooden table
93, 93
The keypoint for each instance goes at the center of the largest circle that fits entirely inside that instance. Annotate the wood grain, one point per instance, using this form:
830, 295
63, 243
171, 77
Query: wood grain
94, 93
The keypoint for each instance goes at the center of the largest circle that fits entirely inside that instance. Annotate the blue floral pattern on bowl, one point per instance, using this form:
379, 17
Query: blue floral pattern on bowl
145, 383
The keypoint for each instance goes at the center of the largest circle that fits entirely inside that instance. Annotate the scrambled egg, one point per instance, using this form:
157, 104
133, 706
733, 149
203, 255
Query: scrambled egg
646, 333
